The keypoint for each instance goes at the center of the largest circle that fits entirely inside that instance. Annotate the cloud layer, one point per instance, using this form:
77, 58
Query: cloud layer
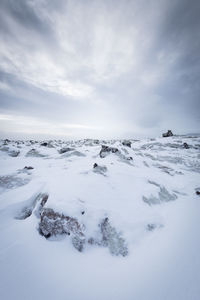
79, 69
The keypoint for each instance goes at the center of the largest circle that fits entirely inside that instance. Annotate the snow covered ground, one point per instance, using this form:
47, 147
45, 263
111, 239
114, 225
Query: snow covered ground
94, 219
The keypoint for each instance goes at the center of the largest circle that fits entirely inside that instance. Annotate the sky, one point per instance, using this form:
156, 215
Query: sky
99, 68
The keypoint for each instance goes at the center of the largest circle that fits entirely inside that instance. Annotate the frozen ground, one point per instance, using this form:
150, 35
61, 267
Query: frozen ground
82, 221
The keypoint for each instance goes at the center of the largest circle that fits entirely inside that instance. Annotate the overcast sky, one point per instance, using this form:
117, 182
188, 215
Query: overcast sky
99, 69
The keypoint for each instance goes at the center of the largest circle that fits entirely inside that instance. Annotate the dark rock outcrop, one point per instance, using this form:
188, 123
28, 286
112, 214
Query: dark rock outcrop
168, 133
53, 223
28, 168
197, 191
129, 158
105, 150
6, 141
96, 142
45, 144
186, 146
126, 143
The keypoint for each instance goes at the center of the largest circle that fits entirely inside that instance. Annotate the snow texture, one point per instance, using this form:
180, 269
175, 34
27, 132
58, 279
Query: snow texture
96, 219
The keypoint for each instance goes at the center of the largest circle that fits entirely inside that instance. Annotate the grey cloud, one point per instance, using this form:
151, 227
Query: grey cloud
130, 66
23, 13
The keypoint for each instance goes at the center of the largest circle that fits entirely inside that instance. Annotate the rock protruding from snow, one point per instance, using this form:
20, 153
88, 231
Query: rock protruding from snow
112, 239
129, 158
109, 237
99, 169
168, 133
105, 150
45, 144
198, 191
53, 223
186, 146
6, 141
126, 143
28, 168
64, 150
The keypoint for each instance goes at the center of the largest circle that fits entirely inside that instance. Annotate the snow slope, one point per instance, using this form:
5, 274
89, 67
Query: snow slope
148, 193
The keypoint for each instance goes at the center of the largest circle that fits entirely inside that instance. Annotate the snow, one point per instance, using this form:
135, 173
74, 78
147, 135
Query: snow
162, 235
